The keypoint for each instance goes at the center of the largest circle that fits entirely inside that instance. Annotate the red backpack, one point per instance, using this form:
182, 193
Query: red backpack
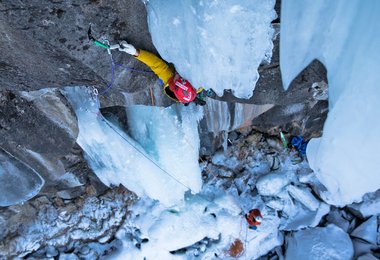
182, 89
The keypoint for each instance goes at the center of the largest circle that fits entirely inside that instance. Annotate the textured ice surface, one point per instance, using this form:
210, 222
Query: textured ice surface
18, 182
345, 36
214, 44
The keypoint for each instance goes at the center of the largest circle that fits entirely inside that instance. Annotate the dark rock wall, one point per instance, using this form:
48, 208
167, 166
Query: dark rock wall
27, 131
45, 44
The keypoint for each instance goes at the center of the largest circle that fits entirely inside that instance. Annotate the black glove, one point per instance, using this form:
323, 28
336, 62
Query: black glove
199, 102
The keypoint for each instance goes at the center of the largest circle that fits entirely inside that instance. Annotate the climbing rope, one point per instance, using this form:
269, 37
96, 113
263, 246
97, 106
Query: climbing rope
113, 72
106, 45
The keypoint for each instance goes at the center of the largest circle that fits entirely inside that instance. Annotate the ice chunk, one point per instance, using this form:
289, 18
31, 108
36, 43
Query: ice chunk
18, 182
345, 37
294, 215
319, 243
299, 217
367, 231
214, 44
271, 184
304, 196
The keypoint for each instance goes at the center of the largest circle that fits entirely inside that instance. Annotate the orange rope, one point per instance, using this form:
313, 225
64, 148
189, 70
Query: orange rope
151, 95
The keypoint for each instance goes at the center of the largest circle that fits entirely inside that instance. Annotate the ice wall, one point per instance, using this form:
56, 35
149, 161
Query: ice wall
118, 159
214, 44
345, 36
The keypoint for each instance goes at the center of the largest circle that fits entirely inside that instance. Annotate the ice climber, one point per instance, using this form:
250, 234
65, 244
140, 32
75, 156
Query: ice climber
175, 87
254, 218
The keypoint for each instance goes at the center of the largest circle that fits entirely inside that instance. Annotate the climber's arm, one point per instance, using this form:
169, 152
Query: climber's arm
157, 65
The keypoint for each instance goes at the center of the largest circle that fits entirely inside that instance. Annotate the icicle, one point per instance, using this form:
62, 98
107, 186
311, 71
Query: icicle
225, 141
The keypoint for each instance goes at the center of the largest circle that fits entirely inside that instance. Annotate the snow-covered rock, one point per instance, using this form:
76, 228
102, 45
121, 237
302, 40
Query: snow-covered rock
367, 230
329, 242
272, 184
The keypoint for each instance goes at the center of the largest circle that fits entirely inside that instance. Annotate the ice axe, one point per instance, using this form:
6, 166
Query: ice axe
91, 38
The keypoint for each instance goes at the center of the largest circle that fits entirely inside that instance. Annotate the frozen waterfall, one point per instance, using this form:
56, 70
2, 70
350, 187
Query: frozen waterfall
152, 164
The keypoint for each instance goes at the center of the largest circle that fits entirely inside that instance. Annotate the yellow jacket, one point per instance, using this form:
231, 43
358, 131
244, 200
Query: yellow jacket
157, 65
161, 69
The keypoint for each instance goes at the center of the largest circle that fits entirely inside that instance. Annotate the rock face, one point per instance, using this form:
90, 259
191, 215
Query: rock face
38, 133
